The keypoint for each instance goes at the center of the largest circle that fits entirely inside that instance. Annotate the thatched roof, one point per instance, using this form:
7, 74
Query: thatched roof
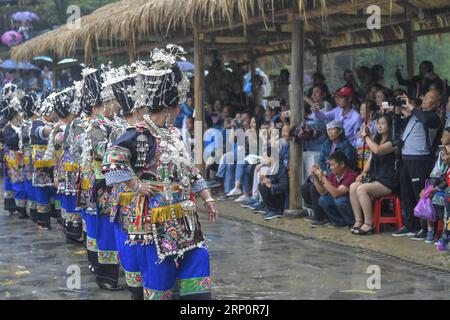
261, 26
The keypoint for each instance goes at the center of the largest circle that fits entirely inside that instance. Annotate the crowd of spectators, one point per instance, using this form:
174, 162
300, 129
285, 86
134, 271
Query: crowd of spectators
38, 80
369, 139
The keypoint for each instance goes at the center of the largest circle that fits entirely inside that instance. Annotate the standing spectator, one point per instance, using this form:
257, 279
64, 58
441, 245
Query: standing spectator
24, 30
334, 190
363, 75
281, 90
379, 177
46, 77
319, 81
419, 85
344, 112
377, 73
350, 80
319, 93
422, 124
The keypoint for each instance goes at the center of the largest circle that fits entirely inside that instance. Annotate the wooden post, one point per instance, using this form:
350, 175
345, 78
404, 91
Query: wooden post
55, 72
297, 113
253, 72
199, 97
131, 54
409, 50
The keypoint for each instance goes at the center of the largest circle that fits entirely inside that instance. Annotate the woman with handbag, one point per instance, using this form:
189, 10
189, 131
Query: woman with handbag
379, 177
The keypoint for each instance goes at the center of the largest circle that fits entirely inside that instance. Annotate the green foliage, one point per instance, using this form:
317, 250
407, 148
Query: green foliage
54, 12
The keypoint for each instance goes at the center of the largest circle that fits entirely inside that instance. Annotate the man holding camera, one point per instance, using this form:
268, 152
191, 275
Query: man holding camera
421, 124
344, 112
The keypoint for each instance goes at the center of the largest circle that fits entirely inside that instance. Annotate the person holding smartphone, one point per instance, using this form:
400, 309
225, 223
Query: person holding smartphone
378, 178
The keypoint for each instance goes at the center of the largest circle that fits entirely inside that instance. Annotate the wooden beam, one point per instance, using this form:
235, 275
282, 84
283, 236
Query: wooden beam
297, 113
199, 97
230, 40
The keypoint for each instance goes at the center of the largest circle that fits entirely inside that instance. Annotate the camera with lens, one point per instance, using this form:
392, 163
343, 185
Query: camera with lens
396, 102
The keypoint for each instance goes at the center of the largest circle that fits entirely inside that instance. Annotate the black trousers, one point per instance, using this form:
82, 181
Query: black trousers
413, 174
311, 198
273, 202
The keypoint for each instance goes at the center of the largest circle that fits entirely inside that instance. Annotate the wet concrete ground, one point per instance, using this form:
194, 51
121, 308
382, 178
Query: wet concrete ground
248, 262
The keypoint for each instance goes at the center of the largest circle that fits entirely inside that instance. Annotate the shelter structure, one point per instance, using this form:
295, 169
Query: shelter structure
245, 28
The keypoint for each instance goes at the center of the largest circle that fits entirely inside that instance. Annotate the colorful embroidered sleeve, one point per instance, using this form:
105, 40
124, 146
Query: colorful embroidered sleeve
116, 165
198, 183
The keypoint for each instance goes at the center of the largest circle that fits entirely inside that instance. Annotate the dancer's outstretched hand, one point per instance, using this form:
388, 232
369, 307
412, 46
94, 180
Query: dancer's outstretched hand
213, 213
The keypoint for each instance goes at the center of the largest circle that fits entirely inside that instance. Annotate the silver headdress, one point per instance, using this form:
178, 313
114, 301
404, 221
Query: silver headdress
47, 105
75, 107
160, 83
111, 76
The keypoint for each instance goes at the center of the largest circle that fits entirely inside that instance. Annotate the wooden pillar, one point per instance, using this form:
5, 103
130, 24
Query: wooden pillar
297, 113
55, 72
409, 50
252, 59
131, 55
199, 98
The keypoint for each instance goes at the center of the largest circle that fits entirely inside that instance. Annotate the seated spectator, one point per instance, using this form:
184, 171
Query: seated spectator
212, 140
437, 178
315, 144
336, 142
344, 112
334, 191
251, 160
273, 189
379, 177
369, 114
187, 110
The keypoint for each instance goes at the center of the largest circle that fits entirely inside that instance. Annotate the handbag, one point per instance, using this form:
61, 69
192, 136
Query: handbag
424, 208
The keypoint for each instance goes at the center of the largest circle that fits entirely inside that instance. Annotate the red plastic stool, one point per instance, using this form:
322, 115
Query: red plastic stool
380, 218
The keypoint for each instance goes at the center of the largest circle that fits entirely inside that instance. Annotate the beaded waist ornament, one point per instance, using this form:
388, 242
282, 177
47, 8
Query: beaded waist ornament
169, 220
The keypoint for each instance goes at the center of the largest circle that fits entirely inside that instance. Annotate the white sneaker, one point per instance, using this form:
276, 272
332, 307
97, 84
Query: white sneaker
242, 199
234, 193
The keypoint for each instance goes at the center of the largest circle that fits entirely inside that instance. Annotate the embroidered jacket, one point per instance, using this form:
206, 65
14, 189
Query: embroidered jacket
72, 145
95, 190
168, 219
43, 169
13, 155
